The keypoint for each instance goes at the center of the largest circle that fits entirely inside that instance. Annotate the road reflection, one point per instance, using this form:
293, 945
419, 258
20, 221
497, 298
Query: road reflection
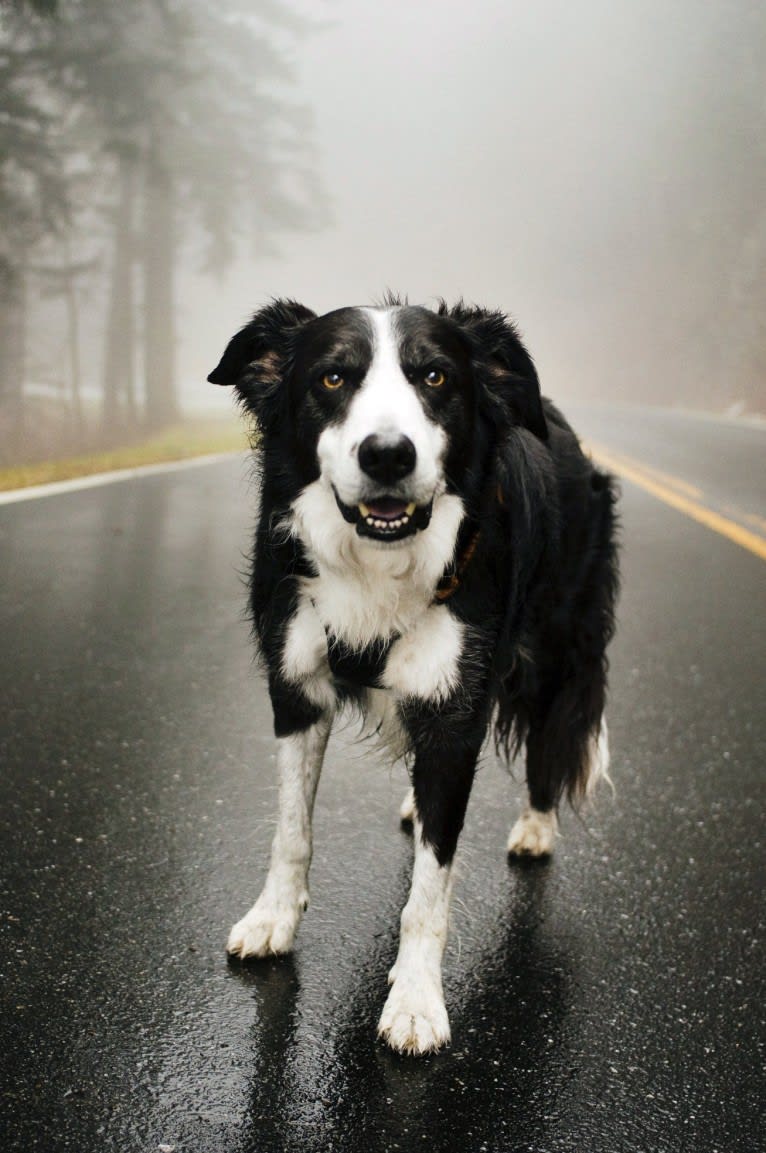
501, 1080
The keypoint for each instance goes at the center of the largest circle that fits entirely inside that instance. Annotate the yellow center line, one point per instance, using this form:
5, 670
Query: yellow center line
640, 475
664, 478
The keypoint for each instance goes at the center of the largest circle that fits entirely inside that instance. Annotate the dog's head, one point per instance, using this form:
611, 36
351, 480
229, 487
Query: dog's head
383, 406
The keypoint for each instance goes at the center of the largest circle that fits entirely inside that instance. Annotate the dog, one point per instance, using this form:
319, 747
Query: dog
435, 548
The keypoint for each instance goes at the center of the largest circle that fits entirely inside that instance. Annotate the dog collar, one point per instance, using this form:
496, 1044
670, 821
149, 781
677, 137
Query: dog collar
453, 577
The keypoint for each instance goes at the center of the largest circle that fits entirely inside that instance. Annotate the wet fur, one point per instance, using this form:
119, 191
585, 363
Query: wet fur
533, 611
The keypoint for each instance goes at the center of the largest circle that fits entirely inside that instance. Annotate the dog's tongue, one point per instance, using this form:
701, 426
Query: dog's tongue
387, 508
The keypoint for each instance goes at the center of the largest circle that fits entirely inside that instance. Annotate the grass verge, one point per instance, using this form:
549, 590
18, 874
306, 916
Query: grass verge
179, 442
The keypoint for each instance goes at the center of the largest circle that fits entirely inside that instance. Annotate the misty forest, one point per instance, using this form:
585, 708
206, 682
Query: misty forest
114, 172
602, 171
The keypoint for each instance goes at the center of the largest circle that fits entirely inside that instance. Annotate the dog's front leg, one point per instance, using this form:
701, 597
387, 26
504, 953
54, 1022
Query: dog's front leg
270, 926
414, 1018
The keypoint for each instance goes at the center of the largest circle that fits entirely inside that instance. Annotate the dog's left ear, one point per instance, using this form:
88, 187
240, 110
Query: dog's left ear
511, 375
255, 357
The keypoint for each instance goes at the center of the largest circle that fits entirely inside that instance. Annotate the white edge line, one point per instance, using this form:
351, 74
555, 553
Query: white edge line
96, 479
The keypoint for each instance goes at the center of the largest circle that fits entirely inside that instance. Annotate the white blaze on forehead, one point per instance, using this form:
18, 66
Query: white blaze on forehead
386, 405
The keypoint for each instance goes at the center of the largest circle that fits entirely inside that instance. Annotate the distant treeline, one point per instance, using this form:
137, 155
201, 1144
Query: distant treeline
130, 131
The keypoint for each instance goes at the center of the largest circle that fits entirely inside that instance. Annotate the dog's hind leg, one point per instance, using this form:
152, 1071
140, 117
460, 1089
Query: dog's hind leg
270, 926
407, 808
533, 833
567, 741
567, 752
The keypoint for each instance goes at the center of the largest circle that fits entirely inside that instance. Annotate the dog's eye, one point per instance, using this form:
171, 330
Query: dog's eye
332, 380
435, 378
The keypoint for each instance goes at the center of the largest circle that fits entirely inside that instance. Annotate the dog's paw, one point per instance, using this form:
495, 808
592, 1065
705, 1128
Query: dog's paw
533, 834
267, 930
414, 1018
407, 808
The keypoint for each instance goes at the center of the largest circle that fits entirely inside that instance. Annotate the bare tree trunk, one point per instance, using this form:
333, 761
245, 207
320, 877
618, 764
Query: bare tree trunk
13, 302
75, 375
158, 265
119, 352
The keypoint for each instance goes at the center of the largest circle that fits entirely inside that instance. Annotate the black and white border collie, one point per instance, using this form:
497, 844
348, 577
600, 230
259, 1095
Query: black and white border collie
433, 547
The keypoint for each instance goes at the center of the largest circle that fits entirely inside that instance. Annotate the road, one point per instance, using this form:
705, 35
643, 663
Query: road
610, 1001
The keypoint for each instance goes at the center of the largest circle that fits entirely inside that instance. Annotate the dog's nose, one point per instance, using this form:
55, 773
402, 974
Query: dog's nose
386, 460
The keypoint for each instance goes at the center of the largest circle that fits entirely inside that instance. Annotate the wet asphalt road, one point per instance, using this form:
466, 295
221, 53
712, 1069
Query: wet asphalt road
609, 1001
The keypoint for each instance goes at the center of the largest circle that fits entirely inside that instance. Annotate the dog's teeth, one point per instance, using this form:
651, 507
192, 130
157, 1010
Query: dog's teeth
364, 510
411, 508
385, 525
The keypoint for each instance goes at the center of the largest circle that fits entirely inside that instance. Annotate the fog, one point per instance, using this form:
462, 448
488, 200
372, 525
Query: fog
596, 170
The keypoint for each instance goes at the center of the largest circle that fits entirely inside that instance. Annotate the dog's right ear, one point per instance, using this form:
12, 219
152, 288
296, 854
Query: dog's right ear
256, 356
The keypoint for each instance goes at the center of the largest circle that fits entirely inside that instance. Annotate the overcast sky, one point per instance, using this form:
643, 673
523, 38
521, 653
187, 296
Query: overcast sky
560, 161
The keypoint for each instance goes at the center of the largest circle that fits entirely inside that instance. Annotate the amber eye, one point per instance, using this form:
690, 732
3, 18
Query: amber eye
435, 378
332, 380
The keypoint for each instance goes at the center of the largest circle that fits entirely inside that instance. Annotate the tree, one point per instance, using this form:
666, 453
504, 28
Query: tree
179, 98
34, 199
135, 126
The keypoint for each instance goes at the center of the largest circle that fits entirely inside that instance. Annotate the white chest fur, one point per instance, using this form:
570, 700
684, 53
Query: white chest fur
365, 592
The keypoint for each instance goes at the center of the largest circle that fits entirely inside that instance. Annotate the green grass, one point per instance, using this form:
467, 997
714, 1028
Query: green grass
180, 442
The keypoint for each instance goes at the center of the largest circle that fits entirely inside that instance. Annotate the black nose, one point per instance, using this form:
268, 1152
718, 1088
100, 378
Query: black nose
386, 460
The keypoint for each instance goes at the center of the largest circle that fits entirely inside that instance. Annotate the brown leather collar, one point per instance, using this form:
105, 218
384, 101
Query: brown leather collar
453, 577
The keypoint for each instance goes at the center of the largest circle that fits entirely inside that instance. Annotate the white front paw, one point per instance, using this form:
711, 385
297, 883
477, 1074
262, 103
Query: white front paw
414, 1018
533, 834
268, 929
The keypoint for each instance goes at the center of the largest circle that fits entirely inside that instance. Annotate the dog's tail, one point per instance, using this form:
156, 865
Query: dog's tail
555, 704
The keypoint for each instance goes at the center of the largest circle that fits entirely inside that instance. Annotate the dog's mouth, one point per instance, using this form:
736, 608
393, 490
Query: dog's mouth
386, 517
